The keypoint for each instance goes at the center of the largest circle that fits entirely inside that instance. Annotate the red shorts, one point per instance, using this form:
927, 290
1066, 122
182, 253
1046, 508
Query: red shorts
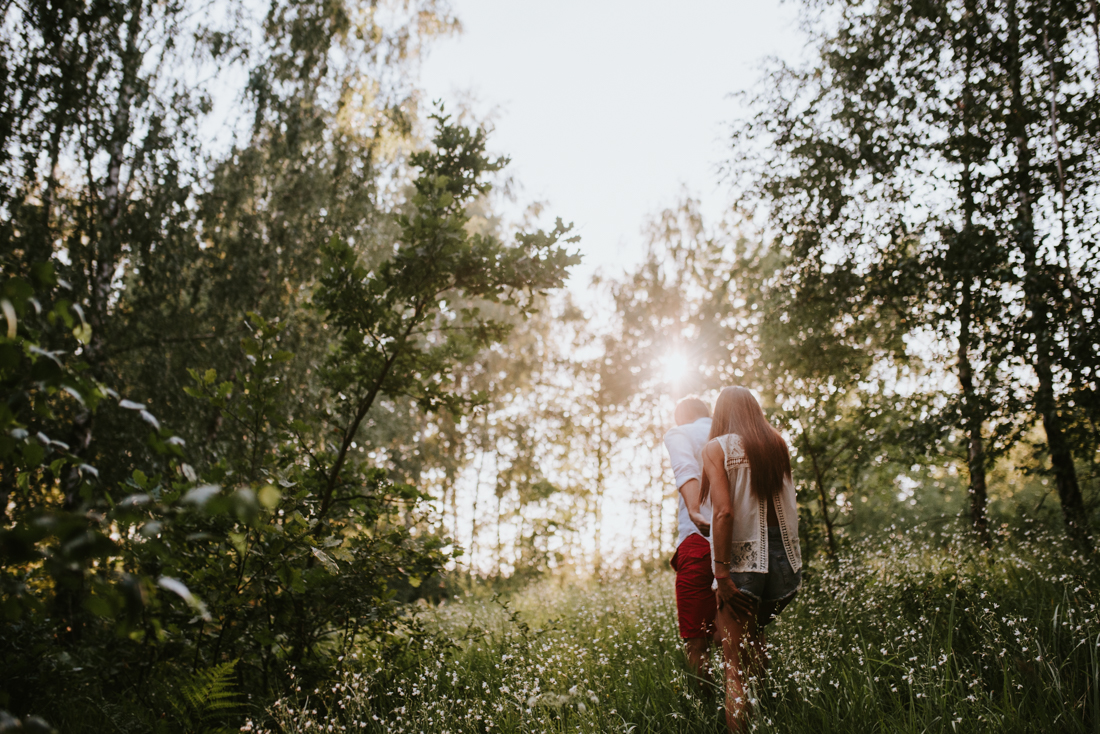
695, 602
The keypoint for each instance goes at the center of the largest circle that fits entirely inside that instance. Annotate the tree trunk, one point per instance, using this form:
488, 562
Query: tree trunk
7, 486
599, 492
1096, 31
659, 512
45, 245
106, 248
972, 420
1061, 459
823, 498
1035, 282
477, 498
110, 240
972, 413
500, 548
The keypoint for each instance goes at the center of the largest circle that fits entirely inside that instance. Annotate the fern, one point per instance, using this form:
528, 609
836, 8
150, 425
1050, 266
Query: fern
206, 697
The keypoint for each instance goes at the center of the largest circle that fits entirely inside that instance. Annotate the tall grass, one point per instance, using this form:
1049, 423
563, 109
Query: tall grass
916, 632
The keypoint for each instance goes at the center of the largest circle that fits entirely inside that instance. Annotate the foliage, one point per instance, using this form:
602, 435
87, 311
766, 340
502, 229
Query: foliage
207, 696
56, 544
931, 171
84, 573
284, 544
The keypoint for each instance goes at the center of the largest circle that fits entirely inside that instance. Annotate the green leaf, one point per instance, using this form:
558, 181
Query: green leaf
269, 497
62, 310
9, 315
237, 540
10, 610
98, 606
328, 563
199, 496
343, 554
33, 454
180, 589
43, 274
10, 355
83, 333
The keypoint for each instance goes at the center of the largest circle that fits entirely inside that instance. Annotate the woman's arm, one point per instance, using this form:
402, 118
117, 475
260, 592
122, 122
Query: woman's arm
714, 466
721, 522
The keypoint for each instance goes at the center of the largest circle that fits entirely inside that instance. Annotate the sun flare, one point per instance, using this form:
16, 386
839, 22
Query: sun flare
675, 366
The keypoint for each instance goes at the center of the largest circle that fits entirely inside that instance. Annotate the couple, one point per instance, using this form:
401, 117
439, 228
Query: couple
736, 468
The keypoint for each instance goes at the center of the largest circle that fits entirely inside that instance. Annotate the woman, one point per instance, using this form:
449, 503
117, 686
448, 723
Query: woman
757, 558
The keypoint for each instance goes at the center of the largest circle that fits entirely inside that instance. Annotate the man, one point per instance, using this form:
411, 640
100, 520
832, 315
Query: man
695, 600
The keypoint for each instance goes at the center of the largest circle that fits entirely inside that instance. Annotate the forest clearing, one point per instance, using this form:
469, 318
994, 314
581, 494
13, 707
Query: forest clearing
313, 419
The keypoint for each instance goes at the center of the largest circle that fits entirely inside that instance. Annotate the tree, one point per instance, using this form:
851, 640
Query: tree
280, 543
881, 167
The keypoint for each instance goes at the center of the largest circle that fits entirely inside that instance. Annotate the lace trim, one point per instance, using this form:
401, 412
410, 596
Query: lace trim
793, 549
762, 528
733, 451
745, 557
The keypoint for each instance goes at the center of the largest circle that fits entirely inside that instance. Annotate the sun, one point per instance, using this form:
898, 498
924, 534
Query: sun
675, 366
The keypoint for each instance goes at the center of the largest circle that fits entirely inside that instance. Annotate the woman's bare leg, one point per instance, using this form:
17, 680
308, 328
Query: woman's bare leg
733, 630
758, 645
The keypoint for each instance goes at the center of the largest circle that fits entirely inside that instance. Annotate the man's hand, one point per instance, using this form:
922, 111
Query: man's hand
690, 492
700, 522
740, 604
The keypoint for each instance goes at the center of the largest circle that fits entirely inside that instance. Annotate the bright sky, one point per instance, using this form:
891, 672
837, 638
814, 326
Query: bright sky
610, 109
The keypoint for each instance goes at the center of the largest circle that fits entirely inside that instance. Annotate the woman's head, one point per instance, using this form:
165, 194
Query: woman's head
736, 411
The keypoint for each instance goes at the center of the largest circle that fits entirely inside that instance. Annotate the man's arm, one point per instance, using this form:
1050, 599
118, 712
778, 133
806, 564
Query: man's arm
688, 474
692, 492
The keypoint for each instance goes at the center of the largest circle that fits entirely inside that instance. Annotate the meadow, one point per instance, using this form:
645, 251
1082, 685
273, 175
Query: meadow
915, 631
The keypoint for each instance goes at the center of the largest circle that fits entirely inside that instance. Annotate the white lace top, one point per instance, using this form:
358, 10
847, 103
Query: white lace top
750, 515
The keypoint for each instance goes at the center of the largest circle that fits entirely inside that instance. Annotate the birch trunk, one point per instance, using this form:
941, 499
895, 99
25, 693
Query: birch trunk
1038, 324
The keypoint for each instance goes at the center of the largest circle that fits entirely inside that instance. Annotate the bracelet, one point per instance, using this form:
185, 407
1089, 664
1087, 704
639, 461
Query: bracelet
723, 563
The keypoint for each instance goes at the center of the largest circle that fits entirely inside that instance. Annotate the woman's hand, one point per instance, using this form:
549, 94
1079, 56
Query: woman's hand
740, 604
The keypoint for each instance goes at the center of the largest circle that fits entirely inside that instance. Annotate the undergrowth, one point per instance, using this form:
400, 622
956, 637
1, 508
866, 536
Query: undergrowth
914, 632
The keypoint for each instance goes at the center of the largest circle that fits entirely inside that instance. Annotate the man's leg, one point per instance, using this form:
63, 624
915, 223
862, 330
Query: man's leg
695, 604
698, 655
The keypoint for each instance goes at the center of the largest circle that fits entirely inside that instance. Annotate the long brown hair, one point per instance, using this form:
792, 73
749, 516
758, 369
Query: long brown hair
736, 411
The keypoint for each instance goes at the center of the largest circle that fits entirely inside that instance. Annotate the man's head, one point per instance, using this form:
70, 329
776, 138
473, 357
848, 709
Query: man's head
690, 410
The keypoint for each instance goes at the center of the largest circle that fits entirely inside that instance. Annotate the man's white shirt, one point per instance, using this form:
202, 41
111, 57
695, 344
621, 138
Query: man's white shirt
685, 449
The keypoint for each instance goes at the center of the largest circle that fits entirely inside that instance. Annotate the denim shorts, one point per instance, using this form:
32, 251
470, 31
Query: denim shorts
778, 586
